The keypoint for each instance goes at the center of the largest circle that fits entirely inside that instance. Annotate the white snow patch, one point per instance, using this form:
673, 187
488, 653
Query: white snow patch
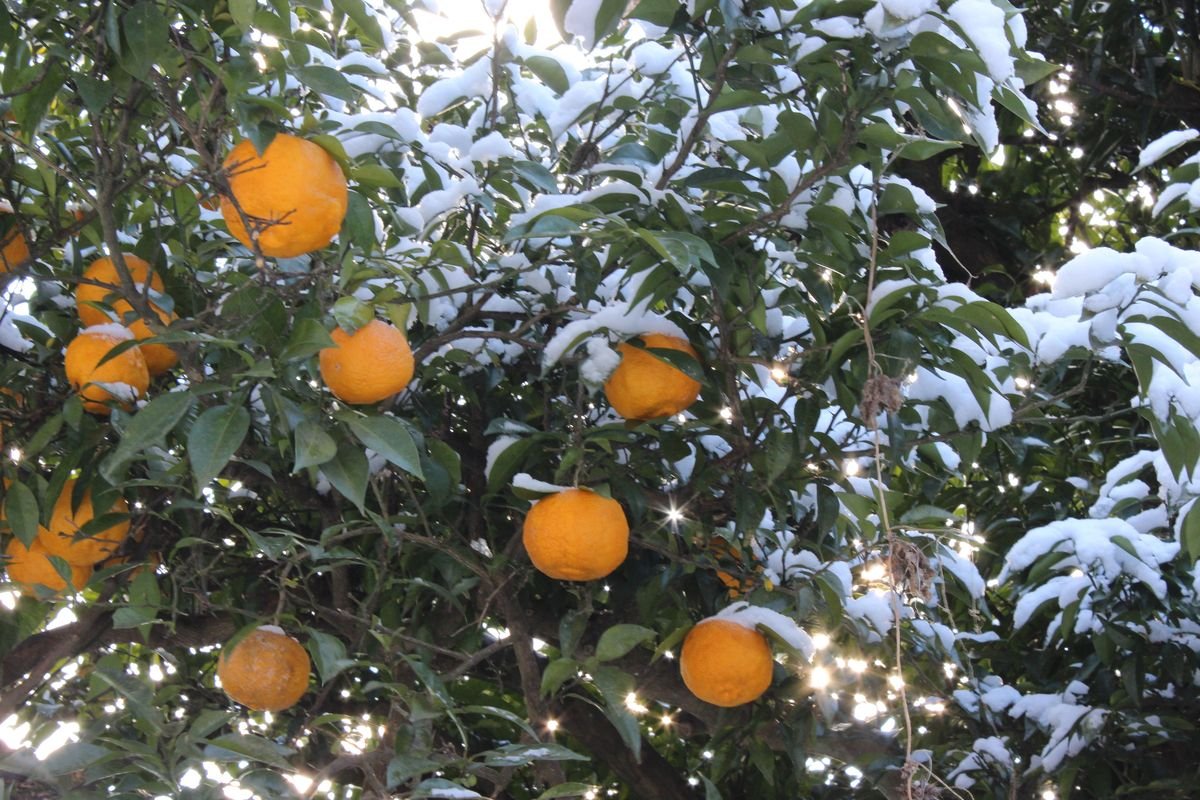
784, 627
1163, 145
523, 480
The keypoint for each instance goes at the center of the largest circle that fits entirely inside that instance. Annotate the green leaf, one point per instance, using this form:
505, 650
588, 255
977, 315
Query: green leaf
350, 313
620, 639
658, 12
405, 766
71, 757
133, 616
21, 510
213, 439
136, 692
308, 338
536, 175
549, 72
556, 673
631, 153
719, 177
364, 18
328, 654
780, 449
508, 463
390, 438
242, 12
147, 37
446, 457
207, 721
236, 746
96, 93
148, 427
1031, 70
684, 362
685, 250
615, 685
919, 149
1189, 532
348, 471
739, 98
326, 80
518, 755
314, 446
44, 435
375, 175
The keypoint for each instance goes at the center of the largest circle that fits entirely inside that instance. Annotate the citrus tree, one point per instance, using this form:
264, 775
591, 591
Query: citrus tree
511, 413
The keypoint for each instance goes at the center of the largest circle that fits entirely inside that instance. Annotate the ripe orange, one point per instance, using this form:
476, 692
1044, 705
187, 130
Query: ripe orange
266, 671
159, 357
104, 272
14, 250
62, 537
725, 663
644, 387
294, 193
576, 535
30, 567
123, 378
369, 365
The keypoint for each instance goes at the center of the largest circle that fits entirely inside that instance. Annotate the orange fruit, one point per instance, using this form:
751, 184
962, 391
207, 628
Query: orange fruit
644, 387
14, 249
62, 537
266, 671
294, 194
725, 663
123, 378
108, 282
31, 567
576, 535
159, 357
367, 366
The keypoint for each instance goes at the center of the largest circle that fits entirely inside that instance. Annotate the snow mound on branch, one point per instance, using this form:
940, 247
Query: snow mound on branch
580, 20
907, 9
1096, 269
877, 609
600, 362
989, 753
1163, 145
1090, 545
491, 148
474, 81
618, 319
983, 23
934, 384
523, 480
1097, 553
